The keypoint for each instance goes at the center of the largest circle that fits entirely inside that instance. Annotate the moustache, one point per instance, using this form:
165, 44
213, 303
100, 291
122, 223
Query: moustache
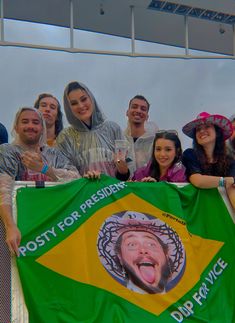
144, 259
30, 130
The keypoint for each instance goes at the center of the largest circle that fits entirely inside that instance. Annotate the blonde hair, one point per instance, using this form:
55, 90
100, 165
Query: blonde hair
16, 140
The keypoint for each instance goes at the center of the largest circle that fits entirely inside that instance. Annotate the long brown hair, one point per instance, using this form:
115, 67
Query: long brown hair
59, 120
222, 161
154, 167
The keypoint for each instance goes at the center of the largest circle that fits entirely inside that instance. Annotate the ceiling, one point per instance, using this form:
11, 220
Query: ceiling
210, 22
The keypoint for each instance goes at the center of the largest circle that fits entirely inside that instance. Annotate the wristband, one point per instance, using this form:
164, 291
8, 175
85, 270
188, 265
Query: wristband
221, 182
44, 169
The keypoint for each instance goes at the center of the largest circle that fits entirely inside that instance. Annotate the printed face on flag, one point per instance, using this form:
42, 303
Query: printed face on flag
144, 260
142, 252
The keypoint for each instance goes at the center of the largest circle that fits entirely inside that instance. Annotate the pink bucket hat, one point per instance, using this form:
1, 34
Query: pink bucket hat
205, 117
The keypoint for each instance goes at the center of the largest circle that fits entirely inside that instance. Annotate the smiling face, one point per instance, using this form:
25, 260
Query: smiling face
49, 108
143, 258
81, 105
206, 134
164, 153
138, 111
29, 127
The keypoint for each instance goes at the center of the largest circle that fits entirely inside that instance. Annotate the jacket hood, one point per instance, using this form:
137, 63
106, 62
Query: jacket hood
98, 116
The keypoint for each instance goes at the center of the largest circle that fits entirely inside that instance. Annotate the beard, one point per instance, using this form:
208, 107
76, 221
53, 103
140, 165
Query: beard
159, 288
27, 138
31, 141
138, 122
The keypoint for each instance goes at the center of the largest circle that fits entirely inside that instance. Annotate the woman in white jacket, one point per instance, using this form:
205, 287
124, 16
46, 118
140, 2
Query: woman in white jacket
89, 141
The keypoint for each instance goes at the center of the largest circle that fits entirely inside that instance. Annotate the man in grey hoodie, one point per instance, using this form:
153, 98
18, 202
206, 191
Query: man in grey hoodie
139, 135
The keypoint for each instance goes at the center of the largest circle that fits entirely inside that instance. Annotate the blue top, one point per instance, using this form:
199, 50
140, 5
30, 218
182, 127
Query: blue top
3, 134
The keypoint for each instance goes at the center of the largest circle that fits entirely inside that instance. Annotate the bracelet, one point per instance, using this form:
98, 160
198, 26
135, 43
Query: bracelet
44, 169
221, 182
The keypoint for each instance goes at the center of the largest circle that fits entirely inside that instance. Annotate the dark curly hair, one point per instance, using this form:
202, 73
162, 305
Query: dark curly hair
222, 161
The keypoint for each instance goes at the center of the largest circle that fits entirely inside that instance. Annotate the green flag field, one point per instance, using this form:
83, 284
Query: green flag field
105, 251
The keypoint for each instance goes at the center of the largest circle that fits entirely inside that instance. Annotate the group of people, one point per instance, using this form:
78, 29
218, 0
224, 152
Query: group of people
43, 150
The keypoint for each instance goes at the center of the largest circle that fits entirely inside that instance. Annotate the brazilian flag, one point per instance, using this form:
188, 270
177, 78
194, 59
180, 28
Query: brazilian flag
105, 251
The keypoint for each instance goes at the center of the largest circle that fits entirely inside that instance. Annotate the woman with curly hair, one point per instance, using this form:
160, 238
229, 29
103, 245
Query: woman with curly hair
208, 164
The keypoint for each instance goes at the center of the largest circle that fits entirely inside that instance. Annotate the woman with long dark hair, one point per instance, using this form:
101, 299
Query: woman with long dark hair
165, 163
208, 164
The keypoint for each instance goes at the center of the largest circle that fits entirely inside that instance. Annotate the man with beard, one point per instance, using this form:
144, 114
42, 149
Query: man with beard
144, 258
28, 159
141, 252
231, 140
139, 133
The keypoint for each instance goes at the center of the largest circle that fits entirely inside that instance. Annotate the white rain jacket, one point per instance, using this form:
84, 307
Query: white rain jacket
89, 149
141, 150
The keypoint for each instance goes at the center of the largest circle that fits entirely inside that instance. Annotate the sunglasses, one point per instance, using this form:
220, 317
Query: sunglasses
166, 131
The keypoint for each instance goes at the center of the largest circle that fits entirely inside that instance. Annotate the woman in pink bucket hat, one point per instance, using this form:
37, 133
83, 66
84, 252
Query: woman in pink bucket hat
208, 164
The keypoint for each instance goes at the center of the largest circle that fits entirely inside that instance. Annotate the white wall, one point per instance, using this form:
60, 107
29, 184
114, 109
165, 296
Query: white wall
177, 89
